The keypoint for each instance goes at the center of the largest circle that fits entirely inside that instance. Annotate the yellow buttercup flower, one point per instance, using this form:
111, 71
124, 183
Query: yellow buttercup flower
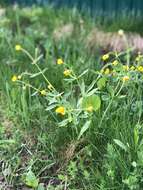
125, 78
126, 67
102, 71
140, 68
105, 57
90, 109
114, 73
116, 62
132, 68
18, 47
139, 58
67, 72
19, 77
14, 78
121, 32
107, 71
60, 110
60, 61
24, 87
43, 92
50, 87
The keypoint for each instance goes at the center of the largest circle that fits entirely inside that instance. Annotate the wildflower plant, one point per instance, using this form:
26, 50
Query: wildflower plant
78, 111
76, 115
70, 113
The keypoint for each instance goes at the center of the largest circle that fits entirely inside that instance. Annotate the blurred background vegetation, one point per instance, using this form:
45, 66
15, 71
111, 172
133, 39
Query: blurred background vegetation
95, 6
110, 14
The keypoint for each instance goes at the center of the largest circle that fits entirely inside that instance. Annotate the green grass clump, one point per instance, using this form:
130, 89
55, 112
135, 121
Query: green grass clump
70, 118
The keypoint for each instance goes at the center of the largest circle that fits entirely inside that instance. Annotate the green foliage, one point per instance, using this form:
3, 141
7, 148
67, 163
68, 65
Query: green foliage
101, 82
31, 180
84, 129
93, 101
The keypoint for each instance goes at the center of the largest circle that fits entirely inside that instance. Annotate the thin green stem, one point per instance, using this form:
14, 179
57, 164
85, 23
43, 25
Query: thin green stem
34, 62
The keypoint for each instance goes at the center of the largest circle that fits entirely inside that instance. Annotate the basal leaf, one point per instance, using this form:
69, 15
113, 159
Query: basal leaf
31, 180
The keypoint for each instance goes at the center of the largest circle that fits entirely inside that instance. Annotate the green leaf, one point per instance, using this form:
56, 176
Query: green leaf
91, 86
101, 83
84, 72
120, 144
31, 180
61, 177
7, 141
63, 123
111, 90
50, 107
39, 73
92, 92
82, 87
84, 129
136, 136
93, 101
41, 187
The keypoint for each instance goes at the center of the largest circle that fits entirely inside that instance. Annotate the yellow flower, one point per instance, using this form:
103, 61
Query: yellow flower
139, 53
140, 68
67, 72
125, 78
50, 87
105, 57
60, 61
121, 32
24, 87
18, 47
107, 71
132, 68
126, 67
138, 58
43, 92
114, 73
102, 71
115, 62
60, 110
90, 109
19, 77
14, 78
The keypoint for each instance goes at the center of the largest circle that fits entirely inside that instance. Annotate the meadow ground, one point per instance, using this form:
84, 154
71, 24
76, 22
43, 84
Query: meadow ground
70, 112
